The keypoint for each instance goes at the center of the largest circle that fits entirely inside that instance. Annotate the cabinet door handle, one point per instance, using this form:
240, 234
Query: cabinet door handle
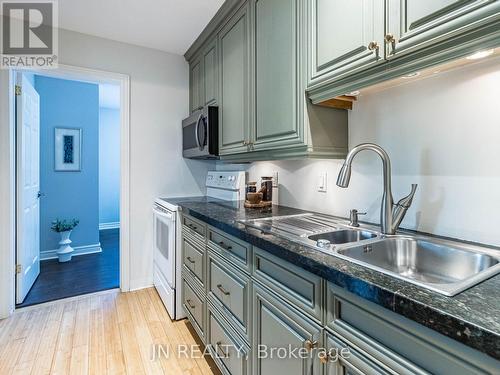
191, 306
324, 357
310, 344
224, 246
190, 260
224, 291
193, 227
217, 346
390, 39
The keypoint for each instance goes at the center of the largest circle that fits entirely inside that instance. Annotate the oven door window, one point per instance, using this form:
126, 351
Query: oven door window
164, 237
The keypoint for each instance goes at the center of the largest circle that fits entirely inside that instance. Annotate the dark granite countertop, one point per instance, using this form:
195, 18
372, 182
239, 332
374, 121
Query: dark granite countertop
471, 317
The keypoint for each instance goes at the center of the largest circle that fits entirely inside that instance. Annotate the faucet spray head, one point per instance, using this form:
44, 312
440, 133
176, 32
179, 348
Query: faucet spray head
344, 176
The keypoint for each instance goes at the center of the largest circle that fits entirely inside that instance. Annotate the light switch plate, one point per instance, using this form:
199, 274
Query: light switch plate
322, 182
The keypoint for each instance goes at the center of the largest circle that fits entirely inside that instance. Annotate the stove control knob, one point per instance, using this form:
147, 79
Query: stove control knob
323, 243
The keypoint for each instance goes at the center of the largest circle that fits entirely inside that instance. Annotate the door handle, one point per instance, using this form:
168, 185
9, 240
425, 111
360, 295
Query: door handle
224, 291
197, 138
39, 195
191, 306
224, 246
190, 260
217, 346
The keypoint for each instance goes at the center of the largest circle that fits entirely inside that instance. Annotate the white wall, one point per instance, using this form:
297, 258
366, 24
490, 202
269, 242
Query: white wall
159, 102
441, 132
109, 165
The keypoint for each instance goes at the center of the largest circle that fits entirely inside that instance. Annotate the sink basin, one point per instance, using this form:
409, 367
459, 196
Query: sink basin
343, 236
442, 267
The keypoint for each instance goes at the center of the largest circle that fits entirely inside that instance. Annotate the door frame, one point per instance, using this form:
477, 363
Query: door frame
8, 168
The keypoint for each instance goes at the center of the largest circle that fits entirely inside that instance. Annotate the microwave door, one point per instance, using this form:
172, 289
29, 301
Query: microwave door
194, 136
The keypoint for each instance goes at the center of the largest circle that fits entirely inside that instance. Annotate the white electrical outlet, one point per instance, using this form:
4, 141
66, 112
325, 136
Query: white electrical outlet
322, 182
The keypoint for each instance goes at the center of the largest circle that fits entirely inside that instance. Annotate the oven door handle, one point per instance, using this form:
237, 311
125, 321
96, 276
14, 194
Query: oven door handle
164, 214
200, 146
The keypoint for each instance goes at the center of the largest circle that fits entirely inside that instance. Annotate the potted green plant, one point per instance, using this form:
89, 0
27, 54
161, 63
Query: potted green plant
64, 228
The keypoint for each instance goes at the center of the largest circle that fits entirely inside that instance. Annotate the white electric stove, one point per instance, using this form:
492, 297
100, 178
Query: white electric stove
228, 188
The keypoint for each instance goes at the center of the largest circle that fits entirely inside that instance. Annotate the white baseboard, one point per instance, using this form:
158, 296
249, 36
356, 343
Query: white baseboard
79, 250
115, 225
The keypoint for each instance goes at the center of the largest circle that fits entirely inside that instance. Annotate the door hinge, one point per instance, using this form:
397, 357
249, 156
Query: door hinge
18, 268
18, 90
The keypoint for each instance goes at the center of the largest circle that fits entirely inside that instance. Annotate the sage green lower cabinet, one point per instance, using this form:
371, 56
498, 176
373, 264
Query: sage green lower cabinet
230, 352
342, 359
193, 302
401, 345
259, 314
284, 341
229, 290
301, 288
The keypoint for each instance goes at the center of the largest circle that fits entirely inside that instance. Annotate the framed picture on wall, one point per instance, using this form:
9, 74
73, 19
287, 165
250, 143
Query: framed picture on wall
68, 149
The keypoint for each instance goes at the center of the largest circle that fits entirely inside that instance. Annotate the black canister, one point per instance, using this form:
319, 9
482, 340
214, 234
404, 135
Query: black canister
267, 188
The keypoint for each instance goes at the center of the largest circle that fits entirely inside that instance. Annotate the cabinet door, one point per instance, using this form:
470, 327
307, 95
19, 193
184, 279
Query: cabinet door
285, 342
344, 359
415, 24
345, 36
234, 83
196, 84
210, 73
275, 73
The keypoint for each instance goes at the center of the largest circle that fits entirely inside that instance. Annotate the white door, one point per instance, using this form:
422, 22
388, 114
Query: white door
28, 186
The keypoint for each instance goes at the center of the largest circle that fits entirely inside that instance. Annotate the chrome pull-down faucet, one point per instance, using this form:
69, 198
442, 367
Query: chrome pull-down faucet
391, 214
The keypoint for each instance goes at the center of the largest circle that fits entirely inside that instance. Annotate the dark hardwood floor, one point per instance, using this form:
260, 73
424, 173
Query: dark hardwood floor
83, 274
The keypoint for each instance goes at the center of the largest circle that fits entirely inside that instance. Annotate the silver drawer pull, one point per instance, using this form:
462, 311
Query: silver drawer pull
193, 227
189, 303
224, 291
217, 346
224, 246
190, 260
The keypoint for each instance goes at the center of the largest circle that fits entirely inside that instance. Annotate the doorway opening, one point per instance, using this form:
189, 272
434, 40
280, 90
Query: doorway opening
68, 184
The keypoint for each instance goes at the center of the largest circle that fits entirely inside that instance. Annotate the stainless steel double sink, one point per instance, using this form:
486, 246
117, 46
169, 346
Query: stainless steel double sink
447, 267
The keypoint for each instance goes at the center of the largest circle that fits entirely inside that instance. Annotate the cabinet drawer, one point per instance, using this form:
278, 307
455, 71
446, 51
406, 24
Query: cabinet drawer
343, 358
406, 346
194, 306
303, 289
194, 227
193, 259
228, 349
230, 290
231, 248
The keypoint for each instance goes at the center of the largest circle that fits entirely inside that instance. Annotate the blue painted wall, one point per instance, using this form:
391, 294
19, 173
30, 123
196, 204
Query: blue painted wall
69, 104
109, 165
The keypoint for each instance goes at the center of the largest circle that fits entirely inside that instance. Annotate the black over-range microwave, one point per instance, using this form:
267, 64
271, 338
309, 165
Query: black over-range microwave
200, 134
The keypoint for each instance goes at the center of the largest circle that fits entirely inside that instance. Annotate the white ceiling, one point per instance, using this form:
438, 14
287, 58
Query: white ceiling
167, 25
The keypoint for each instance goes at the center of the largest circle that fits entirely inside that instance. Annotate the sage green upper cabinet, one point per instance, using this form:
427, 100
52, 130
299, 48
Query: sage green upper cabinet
210, 73
415, 24
344, 36
234, 83
276, 120
196, 86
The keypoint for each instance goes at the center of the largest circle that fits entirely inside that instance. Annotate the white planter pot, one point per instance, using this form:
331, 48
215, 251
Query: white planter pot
65, 251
